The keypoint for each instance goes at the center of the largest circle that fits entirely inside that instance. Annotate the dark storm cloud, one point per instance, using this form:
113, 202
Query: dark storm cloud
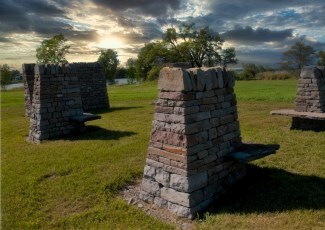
26, 16
46, 18
150, 30
248, 34
230, 9
267, 57
80, 36
148, 7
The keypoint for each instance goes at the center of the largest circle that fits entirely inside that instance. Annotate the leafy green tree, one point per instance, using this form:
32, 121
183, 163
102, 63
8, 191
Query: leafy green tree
197, 46
153, 54
297, 56
250, 71
110, 61
321, 58
228, 56
121, 72
16, 73
6, 76
53, 50
131, 70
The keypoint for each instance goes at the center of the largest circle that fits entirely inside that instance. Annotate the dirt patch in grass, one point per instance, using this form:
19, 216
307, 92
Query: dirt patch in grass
131, 195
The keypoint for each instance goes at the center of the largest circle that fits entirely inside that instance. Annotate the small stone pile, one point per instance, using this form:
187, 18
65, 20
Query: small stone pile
311, 90
195, 127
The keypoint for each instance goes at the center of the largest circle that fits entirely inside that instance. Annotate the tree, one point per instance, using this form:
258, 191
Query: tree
250, 71
321, 56
297, 56
53, 50
6, 75
131, 70
121, 72
197, 46
228, 56
152, 55
110, 61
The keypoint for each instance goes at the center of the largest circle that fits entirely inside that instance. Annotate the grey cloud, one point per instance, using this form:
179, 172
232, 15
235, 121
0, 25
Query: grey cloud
5, 40
230, 9
260, 56
23, 16
248, 34
79, 36
149, 30
147, 7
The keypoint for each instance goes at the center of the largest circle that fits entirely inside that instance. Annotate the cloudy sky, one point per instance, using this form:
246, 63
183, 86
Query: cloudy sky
259, 29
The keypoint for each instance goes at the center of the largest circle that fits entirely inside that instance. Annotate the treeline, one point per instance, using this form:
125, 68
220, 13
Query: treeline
196, 46
8, 76
293, 60
187, 44
260, 72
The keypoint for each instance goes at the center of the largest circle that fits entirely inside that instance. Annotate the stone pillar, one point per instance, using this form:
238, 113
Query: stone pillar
194, 128
56, 98
92, 86
311, 90
28, 79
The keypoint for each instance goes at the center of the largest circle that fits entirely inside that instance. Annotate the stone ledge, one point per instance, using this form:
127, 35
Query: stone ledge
293, 113
85, 117
248, 152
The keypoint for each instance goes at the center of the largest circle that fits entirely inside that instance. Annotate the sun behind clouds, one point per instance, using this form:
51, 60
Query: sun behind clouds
111, 42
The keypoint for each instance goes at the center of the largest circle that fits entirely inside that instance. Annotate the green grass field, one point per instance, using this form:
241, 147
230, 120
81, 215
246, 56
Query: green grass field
72, 183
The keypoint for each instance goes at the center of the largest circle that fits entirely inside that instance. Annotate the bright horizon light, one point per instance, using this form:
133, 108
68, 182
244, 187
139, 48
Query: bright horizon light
111, 42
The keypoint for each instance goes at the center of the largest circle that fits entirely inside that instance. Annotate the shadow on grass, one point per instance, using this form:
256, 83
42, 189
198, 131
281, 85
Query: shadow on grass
272, 190
97, 133
113, 109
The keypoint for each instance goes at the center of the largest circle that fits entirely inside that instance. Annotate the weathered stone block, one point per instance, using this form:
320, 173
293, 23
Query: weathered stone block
174, 79
185, 199
162, 177
149, 172
199, 75
220, 78
188, 184
150, 187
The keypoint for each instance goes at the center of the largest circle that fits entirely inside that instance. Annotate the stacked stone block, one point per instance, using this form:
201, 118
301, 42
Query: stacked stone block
194, 129
28, 77
56, 98
55, 94
92, 84
311, 90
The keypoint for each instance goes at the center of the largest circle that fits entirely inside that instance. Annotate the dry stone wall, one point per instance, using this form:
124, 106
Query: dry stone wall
311, 90
56, 93
194, 128
28, 76
92, 84
56, 98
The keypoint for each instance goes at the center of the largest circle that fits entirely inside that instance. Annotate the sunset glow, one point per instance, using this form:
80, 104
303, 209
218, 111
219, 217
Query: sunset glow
260, 30
111, 42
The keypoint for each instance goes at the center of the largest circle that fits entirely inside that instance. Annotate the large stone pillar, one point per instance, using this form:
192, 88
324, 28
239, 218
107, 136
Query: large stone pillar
194, 129
311, 90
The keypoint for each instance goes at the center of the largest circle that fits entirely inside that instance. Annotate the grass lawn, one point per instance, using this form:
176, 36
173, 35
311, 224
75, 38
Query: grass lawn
72, 183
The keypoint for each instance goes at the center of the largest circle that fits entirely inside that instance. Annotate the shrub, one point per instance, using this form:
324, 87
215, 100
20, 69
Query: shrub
153, 73
270, 75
